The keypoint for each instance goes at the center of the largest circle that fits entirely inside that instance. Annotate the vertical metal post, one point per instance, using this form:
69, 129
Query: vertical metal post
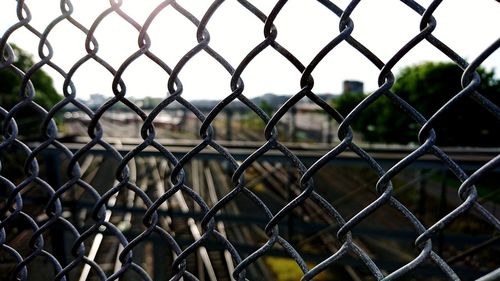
53, 175
291, 196
161, 262
229, 122
292, 126
442, 210
329, 134
422, 197
183, 120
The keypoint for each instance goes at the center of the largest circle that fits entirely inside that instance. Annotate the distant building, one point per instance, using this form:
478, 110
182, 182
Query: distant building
353, 86
96, 100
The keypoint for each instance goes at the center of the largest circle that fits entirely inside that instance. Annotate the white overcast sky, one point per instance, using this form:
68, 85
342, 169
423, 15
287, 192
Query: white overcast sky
304, 27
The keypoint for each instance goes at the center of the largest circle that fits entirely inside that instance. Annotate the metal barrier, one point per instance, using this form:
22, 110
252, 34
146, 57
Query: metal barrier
172, 199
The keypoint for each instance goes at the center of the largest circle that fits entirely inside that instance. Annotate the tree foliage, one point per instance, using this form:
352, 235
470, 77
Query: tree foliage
427, 87
46, 96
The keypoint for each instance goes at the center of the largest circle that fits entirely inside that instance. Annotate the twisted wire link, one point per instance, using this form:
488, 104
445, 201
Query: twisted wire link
13, 210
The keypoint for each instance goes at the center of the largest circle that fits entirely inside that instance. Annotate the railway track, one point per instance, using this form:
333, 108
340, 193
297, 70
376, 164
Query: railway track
272, 181
152, 175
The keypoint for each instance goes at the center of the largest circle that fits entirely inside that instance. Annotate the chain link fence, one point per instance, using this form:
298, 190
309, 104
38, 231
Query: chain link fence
105, 209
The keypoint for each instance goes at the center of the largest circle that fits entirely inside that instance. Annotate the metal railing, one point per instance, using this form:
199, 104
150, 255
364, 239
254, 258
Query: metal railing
187, 208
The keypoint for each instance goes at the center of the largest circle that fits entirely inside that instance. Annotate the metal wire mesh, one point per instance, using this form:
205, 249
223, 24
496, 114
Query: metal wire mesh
41, 227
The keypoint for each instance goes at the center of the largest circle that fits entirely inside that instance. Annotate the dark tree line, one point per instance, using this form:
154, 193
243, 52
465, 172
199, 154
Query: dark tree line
427, 87
28, 120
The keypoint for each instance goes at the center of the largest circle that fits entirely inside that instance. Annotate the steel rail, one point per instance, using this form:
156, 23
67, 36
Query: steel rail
220, 225
96, 242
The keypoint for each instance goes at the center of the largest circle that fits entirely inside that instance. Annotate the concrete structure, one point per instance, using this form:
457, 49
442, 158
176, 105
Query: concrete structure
352, 86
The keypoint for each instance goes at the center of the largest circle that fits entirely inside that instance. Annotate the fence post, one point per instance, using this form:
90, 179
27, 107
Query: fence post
229, 122
327, 134
292, 126
291, 196
422, 196
53, 174
442, 210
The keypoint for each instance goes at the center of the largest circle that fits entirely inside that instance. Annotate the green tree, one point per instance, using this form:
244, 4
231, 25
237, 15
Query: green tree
427, 87
28, 119
266, 107
347, 101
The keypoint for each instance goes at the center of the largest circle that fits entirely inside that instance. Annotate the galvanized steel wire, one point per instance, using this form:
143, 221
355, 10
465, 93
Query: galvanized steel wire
13, 211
